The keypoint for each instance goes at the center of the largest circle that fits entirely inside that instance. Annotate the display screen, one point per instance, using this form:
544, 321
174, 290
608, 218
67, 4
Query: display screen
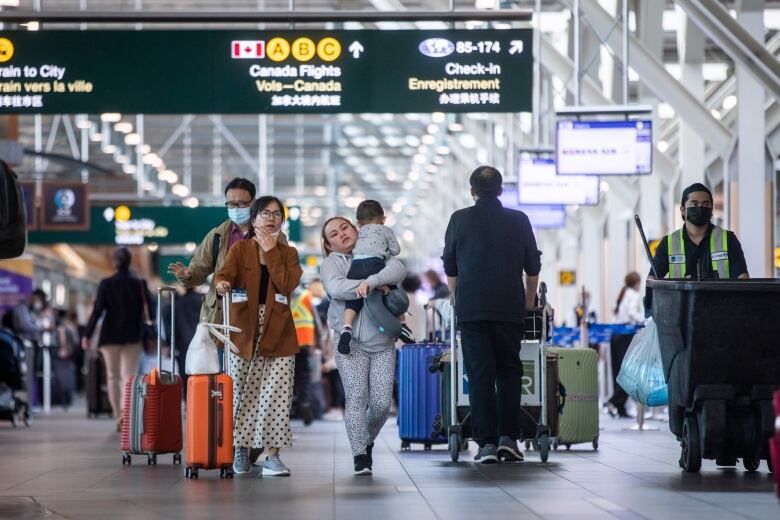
539, 184
604, 148
541, 216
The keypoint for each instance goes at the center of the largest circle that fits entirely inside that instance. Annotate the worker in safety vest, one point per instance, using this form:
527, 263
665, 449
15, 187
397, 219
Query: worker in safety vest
303, 316
699, 250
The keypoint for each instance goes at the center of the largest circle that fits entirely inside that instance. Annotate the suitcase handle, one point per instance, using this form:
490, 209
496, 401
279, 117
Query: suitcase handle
226, 331
171, 289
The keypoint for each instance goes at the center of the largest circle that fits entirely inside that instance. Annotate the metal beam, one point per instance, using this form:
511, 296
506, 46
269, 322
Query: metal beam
735, 40
253, 17
653, 73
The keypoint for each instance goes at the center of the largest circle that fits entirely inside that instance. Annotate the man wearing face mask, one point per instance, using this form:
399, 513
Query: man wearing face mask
699, 250
213, 250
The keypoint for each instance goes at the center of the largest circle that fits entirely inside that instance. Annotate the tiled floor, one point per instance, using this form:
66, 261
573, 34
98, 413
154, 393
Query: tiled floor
66, 466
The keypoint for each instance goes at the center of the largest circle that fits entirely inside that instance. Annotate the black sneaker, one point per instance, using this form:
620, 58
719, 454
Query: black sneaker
344, 340
369, 452
406, 334
362, 464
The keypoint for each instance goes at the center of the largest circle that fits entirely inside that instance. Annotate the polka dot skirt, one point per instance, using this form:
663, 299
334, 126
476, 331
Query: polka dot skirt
262, 397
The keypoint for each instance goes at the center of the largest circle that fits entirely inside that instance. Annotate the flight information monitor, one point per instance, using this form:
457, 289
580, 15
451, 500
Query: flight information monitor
538, 183
604, 147
541, 216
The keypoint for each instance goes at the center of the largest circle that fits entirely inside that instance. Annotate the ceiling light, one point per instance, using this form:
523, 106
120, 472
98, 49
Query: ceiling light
97, 136
414, 175
191, 202
428, 139
604, 186
665, 111
442, 150
432, 168
408, 185
715, 113
455, 127
121, 158
391, 175
316, 213
124, 127
662, 146
111, 117
437, 117
129, 169
433, 128
83, 123
353, 130
467, 140
412, 117
153, 247
31, 26
132, 139
108, 148
172, 177
148, 186
180, 190
144, 148
438, 160
150, 158
412, 140
419, 158
408, 235
344, 191
730, 102
321, 191
190, 246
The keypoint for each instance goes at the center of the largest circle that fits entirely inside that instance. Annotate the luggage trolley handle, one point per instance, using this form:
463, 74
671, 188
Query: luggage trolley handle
160, 291
638, 222
453, 366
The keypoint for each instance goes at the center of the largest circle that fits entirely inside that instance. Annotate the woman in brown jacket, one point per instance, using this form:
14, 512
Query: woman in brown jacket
261, 273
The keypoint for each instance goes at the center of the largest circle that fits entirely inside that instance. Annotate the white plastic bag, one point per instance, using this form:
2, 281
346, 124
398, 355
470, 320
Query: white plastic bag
202, 354
642, 372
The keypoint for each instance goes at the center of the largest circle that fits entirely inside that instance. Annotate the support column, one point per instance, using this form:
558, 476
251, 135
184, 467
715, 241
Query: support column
592, 259
754, 197
616, 264
690, 44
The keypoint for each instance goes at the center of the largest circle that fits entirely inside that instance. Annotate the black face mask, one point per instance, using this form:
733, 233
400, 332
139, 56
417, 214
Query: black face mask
698, 216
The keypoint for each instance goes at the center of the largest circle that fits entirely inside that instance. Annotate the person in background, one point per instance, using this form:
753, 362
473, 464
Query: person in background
303, 316
628, 310
329, 369
416, 314
211, 253
70, 334
63, 361
439, 288
261, 274
25, 316
121, 299
188, 307
487, 248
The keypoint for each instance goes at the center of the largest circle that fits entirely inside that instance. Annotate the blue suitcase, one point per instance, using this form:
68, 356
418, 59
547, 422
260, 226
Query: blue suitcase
419, 399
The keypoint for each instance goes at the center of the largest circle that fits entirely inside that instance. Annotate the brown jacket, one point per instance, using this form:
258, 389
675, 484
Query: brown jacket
242, 270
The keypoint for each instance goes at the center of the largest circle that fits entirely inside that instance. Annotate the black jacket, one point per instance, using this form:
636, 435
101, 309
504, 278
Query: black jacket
488, 247
120, 298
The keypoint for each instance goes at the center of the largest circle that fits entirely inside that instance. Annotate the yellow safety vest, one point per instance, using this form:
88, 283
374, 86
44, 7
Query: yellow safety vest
719, 253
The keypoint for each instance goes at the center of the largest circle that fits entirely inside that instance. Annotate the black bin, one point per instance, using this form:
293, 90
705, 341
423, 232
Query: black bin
720, 344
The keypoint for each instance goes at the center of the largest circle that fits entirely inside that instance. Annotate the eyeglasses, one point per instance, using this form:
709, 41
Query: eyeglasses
268, 215
239, 204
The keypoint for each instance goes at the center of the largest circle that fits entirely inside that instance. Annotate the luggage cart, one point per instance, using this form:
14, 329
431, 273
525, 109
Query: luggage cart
534, 354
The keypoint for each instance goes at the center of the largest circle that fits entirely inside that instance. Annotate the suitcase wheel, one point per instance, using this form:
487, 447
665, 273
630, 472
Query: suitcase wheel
428, 446
406, 446
555, 445
151, 460
568, 447
126, 459
527, 445
544, 447
177, 458
596, 444
191, 473
225, 473
751, 463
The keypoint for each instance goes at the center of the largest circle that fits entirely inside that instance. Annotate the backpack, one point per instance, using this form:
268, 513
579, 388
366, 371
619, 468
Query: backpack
13, 216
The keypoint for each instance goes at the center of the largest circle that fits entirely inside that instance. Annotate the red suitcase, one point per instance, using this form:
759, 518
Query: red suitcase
210, 415
152, 407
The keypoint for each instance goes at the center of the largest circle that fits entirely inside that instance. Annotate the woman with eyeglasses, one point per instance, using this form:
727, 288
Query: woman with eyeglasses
260, 273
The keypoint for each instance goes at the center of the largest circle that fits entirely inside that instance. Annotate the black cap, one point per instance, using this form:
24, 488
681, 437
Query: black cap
693, 188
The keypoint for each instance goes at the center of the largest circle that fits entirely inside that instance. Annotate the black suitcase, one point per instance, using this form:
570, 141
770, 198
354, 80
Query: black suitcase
97, 395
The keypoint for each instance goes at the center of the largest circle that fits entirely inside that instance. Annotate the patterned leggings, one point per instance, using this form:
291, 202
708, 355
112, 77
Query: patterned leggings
368, 385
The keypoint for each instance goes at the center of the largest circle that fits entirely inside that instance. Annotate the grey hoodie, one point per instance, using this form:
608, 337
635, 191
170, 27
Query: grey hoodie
333, 271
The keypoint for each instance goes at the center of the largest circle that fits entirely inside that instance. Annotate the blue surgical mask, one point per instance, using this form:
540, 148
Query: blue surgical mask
239, 216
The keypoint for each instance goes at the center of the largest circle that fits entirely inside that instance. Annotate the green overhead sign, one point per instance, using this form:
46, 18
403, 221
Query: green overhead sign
138, 225
280, 72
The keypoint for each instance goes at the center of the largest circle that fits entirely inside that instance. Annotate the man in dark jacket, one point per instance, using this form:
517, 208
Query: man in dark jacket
486, 250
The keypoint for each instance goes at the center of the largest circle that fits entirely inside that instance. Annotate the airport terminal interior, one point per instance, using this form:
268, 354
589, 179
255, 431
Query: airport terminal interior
607, 345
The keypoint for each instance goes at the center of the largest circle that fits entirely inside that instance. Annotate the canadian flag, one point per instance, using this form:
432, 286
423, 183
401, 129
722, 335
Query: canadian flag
247, 49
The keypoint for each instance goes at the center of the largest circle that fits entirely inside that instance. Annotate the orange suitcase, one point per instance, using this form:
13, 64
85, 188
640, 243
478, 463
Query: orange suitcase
210, 417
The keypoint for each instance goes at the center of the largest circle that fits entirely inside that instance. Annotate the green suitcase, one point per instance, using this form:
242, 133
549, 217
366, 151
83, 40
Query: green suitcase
578, 372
